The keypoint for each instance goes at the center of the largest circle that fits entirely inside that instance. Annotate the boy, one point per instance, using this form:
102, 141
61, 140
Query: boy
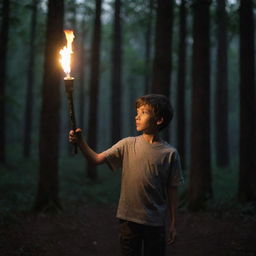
151, 173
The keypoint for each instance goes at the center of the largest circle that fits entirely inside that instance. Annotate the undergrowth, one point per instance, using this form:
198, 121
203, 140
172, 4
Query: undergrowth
18, 187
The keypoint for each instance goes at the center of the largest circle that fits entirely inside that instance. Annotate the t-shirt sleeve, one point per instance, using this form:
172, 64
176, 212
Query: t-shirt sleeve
175, 177
114, 155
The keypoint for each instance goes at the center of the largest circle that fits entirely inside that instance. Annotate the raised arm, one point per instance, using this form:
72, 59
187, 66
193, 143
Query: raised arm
88, 153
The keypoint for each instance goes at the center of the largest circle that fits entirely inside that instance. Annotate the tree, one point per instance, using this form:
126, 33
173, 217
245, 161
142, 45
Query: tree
116, 75
247, 166
82, 74
3, 54
200, 171
94, 87
161, 77
221, 93
148, 39
48, 186
181, 80
30, 82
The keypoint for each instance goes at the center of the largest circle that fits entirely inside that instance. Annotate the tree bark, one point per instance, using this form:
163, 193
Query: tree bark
94, 88
82, 76
182, 81
200, 188
161, 77
148, 45
221, 93
30, 83
47, 199
116, 75
247, 166
3, 59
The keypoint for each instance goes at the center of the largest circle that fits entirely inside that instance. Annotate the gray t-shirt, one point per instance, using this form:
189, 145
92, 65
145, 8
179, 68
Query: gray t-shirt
147, 172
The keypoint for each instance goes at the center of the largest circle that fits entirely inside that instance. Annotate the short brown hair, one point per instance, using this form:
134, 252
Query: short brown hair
161, 107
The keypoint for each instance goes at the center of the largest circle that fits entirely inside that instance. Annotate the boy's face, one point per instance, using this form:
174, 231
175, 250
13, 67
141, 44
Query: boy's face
145, 119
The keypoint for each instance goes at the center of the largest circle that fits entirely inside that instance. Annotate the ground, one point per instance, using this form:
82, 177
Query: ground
93, 230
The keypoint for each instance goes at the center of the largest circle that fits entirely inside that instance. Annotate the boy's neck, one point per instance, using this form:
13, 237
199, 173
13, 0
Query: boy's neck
151, 138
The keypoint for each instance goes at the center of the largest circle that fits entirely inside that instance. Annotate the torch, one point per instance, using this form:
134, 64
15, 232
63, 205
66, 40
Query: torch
65, 61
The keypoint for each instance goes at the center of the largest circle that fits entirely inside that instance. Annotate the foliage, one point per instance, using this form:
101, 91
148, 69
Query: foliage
76, 188
18, 185
19, 181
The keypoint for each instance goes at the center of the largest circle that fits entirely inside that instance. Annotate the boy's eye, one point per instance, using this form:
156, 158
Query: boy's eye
142, 112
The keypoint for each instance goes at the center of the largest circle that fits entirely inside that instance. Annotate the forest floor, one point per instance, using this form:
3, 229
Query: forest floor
87, 226
90, 230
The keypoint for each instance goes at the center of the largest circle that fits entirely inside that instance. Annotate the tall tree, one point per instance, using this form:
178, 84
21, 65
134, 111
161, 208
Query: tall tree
161, 77
247, 167
94, 87
221, 93
148, 39
48, 185
82, 74
116, 75
200, 172
30, 82
181, 79
3, 54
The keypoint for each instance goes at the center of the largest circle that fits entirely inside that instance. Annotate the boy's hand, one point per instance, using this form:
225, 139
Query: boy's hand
171, 235
75, 137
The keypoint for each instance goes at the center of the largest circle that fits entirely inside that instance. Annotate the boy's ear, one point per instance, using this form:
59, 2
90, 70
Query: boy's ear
160, 121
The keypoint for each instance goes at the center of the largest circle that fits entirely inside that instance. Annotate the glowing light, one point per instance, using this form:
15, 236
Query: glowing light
66, 52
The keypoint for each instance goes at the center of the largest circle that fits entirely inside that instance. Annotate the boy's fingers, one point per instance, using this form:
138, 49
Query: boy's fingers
78, 130
75, 136
78, 134
171, 239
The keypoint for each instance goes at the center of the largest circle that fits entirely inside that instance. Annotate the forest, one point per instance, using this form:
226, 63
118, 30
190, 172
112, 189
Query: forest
198, 53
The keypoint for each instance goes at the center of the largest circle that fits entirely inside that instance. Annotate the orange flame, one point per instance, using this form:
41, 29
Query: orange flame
66, 52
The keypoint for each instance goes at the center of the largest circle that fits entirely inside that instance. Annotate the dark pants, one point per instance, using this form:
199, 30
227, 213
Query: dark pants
138, 240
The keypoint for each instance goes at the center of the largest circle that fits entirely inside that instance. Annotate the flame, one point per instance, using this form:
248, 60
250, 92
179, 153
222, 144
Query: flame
66, 52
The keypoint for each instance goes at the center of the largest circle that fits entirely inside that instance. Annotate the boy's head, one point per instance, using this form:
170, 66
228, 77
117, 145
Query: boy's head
160, 105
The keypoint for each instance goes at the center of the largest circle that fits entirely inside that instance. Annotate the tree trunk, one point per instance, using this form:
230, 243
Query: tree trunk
30, 83
148, 45
161, 77
82, 76
247, 167
47, 199
182, 81
221, 94
200, 173
94, 88
116, 75
3, 54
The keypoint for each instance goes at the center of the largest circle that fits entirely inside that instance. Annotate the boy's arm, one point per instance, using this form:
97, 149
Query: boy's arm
172, 203
88, 153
